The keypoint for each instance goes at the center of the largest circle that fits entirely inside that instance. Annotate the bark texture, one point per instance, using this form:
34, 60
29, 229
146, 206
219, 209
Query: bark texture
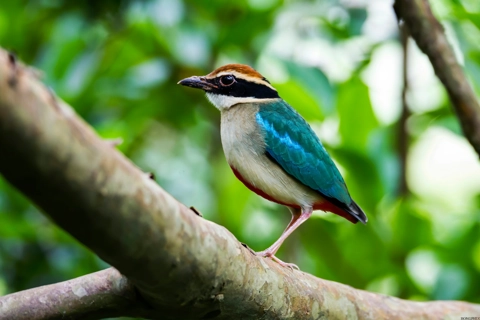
180, 265
101, 294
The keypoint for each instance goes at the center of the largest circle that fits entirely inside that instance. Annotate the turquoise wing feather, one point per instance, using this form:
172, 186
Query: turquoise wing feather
291, 142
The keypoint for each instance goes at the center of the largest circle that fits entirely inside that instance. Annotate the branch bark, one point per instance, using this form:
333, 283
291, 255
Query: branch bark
183, 266
94, 296
430, 38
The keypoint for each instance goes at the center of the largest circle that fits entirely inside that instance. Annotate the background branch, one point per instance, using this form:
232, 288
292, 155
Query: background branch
431, 39
102, 294
403, 135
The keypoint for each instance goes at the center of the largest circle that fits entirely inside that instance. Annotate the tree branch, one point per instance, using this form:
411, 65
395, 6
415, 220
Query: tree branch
184, 266
94, 296
403, 135
430, 38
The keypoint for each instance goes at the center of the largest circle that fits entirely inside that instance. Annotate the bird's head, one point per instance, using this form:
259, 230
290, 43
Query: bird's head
233, 84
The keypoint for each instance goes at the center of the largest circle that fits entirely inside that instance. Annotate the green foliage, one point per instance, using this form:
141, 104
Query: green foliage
117, 64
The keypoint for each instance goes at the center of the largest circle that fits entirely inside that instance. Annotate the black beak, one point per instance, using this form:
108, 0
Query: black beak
198, 82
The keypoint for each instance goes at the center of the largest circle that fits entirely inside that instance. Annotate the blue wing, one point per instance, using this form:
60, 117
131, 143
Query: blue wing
291, 142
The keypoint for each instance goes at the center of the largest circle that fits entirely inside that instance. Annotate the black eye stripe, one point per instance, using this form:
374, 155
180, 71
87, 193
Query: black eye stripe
243, 89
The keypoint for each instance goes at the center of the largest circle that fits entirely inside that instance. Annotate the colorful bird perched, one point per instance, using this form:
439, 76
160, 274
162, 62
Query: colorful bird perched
273, 150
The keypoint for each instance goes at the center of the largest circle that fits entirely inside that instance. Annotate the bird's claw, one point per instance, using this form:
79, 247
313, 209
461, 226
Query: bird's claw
285, 264
267, 254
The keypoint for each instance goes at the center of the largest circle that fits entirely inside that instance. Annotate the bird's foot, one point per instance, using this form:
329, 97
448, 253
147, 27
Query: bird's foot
270, 255
285, 264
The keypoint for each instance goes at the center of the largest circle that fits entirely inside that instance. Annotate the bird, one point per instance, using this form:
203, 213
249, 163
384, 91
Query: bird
272, 150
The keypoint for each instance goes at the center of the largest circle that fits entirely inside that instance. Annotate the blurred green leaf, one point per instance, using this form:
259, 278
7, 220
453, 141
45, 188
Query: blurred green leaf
357, 119
452, 283
316, 83
296, 95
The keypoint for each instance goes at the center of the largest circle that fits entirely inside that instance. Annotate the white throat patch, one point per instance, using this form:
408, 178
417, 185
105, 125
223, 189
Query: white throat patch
222, 102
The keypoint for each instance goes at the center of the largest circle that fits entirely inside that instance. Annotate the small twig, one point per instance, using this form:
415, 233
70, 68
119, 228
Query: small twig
248, 248
12, 81
150, 175
197, 212
12, 58
403, 136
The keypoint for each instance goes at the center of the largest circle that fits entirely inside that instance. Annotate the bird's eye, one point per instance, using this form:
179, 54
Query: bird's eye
227, 80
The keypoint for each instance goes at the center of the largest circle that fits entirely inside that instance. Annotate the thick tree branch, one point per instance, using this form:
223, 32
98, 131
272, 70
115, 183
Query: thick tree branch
431, 39
184, 266
94, 296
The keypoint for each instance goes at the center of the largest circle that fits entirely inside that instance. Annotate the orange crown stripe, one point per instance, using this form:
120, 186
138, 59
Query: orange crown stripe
242, 71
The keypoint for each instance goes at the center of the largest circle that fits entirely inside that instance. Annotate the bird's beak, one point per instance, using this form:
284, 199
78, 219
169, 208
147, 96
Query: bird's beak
197, 82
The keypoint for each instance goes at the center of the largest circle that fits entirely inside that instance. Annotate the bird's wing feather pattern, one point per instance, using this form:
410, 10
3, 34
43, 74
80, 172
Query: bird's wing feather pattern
291, 142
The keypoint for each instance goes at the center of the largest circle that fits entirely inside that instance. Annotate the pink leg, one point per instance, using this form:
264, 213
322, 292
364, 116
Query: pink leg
298, 217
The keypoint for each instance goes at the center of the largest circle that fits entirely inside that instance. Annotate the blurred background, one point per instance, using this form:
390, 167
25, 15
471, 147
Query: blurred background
338, 62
